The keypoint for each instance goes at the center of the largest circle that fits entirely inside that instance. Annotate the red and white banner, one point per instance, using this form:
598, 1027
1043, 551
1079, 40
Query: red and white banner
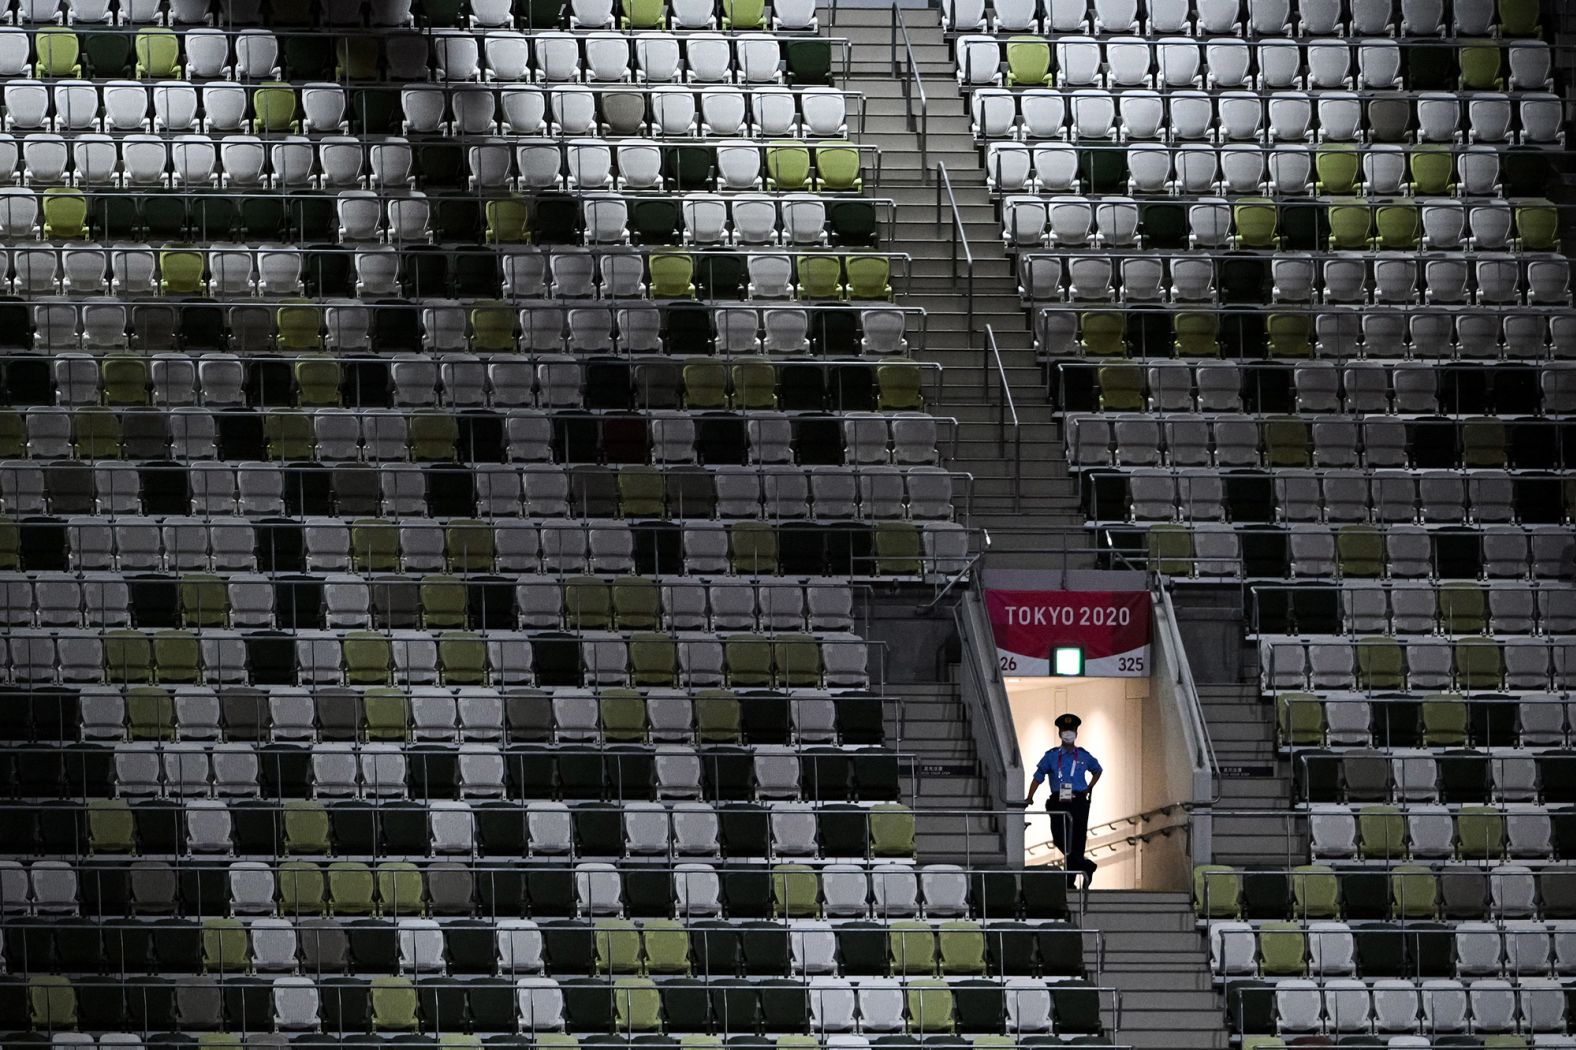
1111, 627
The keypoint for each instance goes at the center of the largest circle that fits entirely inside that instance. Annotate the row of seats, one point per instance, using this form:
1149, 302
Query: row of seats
1387, 663
1357, 552
1211, 18
1307, 720
1516, 951
1197, 440
1453, 608
1501, 893
1367, 389
1342, 1006
1179, 62
1487, 331
300, 888
369, 658
437, 715
624, 1004
1391, 834
1430, 774
1532, 119
629, 602
234, 947
356, 828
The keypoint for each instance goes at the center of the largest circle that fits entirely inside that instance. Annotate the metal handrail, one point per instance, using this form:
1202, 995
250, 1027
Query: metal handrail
1189, 690
1005, 407
960, 236
908, 76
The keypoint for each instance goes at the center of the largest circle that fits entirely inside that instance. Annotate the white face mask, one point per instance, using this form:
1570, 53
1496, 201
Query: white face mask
1068, 736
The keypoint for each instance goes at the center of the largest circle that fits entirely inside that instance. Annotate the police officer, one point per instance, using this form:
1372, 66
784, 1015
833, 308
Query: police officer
1073, 773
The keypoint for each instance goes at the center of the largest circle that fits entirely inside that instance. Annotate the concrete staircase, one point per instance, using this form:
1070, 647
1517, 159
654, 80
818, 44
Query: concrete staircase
1156, 961
946, 789
1242, 726
1022, 493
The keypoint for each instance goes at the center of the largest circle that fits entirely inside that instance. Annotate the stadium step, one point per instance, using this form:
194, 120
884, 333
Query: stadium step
1155, 960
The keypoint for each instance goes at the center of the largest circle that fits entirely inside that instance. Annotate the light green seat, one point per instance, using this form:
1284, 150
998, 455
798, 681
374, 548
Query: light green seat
749, 661
468, 545
273, 108
1359, 550
617, 946
298, 326
1316, 892
125, 380
1538, 227
787, 167
387, 715
640, 491
796, 891
128, 657
820, 277
1283, 949
351, 886
306, 827
623, 714
462, 658
644, 14
1479, 663
665, 945
1263, 1042
898, 388
752, 548
374, 546
1433, 171
1257, 223
1414, 892
653, 660
303, 889
891, 830
111, 826
797, 658
637, 603
368, 658
637, 1005
1121, 388
1463, 609
705, 385
51, 1003
1480, 66
1381, 833
1102, 334
1399, 226
492, 328
1028, 62
432, 438
394, 1005
837, 169
1170, 550
65, 215
754, 385
1286, 442
962, 948
508, 221
205, 601
443, 602
150, 714
317, 382
1381, 664
1337, 168
588, 604
1289, 335
13, 435
1480, 832
672, 275
718, 717
1217, 891
180, 272
1196, 335
1350, 224
96, 433
1520, 18
1445, 720
58, 53
1300, 719
1483, 442
929, 1007
743, 14
900, 550
912, 948
158, 53
177, 657
224, 946
869, 277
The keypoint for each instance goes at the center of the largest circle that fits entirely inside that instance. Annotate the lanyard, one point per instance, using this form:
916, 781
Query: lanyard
1059, 754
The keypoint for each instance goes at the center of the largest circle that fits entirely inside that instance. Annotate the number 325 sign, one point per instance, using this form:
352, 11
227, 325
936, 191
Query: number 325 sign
1111, 627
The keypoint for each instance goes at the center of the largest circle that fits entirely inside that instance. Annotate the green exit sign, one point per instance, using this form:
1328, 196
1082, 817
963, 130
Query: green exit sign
1067, 661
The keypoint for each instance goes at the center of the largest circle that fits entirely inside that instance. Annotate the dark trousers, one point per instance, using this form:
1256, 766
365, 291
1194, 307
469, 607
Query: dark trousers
1070, 830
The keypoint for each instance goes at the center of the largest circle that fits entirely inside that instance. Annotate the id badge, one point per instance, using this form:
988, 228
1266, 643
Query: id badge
1065, 793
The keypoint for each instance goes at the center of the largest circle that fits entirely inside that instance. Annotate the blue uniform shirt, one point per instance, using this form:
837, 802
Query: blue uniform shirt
1060, 768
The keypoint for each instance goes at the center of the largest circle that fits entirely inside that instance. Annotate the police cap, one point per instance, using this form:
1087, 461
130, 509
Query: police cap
1068, 721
